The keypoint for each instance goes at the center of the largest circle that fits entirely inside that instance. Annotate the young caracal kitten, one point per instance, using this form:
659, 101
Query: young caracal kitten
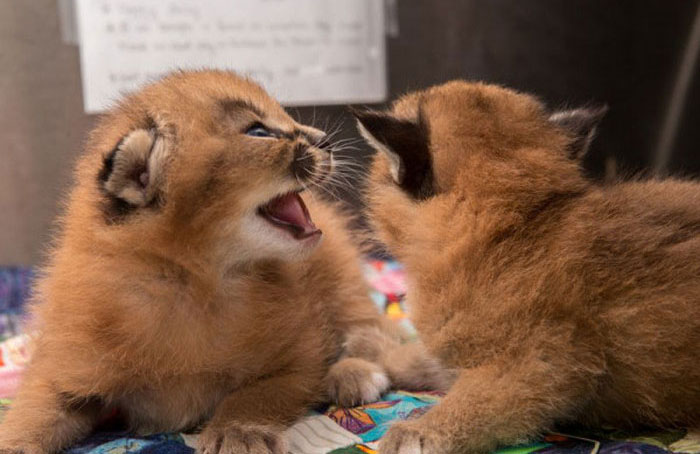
556, 300
189, 286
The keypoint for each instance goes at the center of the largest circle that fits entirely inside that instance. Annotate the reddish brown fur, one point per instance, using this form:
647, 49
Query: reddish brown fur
170, 315
557, 299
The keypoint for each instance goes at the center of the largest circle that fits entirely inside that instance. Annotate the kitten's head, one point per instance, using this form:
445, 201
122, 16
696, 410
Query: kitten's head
202, 162
469, 141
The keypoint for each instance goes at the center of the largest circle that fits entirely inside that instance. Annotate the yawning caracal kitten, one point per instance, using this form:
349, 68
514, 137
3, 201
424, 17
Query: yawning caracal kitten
188, 284
557, 300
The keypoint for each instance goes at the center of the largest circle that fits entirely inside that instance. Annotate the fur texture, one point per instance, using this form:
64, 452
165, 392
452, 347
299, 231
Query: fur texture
557, 300
170, 299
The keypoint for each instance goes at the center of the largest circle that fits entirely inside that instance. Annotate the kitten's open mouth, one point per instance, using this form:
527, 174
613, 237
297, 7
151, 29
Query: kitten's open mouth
288, 212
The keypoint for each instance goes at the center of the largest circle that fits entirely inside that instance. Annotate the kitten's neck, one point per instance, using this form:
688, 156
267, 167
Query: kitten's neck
467, 224
520, 192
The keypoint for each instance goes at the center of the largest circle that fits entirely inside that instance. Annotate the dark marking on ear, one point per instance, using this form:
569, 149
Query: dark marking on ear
131, 175
115, 210
407, 143
107, 165
581, 124
150, 123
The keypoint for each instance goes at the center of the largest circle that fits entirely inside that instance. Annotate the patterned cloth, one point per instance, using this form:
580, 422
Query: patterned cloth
15, 283
328, 430
388, 290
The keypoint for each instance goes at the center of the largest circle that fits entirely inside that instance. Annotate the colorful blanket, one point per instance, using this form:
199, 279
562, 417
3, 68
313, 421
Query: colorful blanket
326, 430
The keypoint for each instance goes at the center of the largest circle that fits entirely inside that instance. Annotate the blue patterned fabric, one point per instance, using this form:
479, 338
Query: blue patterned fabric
122, 443
15, 287
15, 284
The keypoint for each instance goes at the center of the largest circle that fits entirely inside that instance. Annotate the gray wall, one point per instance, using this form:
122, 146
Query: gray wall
623, 52
42, 124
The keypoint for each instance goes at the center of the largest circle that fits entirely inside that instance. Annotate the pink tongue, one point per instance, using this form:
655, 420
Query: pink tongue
290, 208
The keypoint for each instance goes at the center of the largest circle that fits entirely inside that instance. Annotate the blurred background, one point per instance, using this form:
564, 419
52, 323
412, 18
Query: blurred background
638, 56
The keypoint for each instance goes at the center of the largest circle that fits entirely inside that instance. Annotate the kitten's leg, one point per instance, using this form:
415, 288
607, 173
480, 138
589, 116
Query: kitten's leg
355, 381
411, 367
408, 364
251, 419
491, 406
375, 359
43, 420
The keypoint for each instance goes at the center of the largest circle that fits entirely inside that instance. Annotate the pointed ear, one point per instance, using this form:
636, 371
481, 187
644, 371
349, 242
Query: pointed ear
132, 173
581, 124
406, 144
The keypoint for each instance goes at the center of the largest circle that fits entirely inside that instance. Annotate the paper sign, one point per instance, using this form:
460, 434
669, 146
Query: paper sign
301, 51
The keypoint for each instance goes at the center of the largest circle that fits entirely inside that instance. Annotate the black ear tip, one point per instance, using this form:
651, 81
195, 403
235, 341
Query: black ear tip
361, 113
580, 118
599, 111
356, 111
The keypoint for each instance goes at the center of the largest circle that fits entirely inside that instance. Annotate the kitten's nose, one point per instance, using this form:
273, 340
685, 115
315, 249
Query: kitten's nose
303, 163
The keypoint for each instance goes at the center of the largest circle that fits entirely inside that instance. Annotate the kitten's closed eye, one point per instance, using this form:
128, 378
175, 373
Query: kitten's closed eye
259, 130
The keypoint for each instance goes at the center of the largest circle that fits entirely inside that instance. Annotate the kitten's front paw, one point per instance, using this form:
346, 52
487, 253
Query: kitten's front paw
355, 381
11, 443
239, 438
409, 437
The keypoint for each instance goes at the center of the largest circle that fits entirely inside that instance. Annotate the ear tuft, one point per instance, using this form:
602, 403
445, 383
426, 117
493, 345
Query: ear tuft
368, 121
133, 171
581, 124
406, 145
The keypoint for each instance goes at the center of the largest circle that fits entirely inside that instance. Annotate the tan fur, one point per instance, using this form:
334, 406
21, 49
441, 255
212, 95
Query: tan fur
356, 381
407, 364
557, 300
185, 306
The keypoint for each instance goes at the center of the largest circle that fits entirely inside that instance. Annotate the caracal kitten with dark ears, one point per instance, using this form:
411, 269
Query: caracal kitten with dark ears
556, 300
189, 287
